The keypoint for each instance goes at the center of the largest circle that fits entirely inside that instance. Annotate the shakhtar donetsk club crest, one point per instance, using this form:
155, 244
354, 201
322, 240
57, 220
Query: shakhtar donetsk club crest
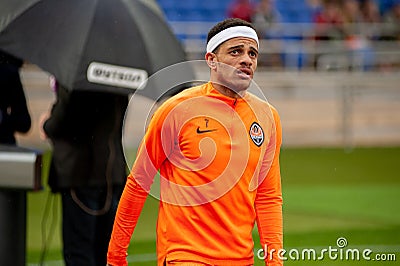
256, 134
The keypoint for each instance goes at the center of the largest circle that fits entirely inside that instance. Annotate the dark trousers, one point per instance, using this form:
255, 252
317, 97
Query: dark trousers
86, 236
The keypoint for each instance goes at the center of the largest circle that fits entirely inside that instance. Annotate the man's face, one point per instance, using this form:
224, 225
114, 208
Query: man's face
236, 62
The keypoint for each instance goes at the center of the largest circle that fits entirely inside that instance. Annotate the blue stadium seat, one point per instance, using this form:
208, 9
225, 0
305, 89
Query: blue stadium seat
192, 15
385, 5
213, 4
172, 14
294, 11
166, 4
187, 4
195, 10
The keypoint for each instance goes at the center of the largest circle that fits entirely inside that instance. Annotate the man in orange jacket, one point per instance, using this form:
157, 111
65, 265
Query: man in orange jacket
217, 149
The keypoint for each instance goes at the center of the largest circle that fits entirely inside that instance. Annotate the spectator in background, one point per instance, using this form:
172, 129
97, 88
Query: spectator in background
329, 22
370, 11
352, 17
360, 52
352, 24
14, 114
371, 19
242, 9
315, 6
265, 18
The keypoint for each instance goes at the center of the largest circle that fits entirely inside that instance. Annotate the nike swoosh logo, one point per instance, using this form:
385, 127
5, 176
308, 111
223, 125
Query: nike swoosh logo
199, 131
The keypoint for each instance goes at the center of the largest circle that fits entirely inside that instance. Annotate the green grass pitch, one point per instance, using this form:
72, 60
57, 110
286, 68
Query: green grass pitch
328, 193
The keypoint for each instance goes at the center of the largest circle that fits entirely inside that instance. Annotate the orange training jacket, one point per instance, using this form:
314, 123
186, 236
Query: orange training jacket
218, 159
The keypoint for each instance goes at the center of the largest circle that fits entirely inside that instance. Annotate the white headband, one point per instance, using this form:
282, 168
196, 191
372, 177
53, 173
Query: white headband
229, 33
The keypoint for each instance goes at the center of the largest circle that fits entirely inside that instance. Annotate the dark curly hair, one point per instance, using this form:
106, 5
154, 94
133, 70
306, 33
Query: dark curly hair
227, 23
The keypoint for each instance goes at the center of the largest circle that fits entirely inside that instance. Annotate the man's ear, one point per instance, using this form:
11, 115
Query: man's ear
211, 60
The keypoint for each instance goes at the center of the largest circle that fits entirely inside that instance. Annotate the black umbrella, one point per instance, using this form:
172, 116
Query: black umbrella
102, 45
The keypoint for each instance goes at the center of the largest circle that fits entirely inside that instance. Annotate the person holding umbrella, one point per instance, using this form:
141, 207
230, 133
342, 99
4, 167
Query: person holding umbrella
87, 168
217, 149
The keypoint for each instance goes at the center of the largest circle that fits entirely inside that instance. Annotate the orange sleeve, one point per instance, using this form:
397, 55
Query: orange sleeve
129, 208
149, 159
268, 202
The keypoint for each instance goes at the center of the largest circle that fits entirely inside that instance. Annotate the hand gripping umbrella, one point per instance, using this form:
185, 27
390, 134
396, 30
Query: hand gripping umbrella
101, 45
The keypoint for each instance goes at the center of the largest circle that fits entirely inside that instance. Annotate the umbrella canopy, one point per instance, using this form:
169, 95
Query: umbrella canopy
97, 45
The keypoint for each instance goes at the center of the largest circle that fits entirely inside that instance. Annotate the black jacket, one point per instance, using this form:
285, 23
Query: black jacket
14, 114
85, 129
